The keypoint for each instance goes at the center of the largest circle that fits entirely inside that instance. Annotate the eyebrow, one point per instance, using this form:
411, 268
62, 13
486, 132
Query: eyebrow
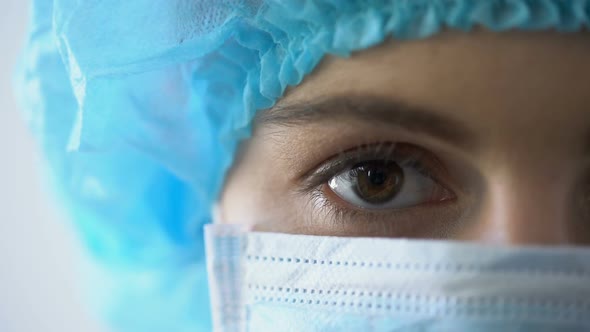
373, 110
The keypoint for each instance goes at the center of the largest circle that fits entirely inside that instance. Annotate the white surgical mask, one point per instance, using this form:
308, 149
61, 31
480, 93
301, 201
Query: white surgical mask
280, 282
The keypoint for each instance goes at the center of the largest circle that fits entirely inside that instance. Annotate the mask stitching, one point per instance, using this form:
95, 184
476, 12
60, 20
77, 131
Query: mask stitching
488, 306
424, 267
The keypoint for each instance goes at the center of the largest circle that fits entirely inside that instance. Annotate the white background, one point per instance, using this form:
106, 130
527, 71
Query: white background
40, 284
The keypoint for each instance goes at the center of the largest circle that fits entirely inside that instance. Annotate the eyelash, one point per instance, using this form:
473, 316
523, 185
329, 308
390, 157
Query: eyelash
404, 154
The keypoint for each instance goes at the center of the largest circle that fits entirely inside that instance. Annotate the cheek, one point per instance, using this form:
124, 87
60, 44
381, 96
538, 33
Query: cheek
527, 200
247, 201
254, 192
243, 200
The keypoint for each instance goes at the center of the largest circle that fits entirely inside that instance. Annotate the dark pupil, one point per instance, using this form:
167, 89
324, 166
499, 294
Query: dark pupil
378, 181
377, 176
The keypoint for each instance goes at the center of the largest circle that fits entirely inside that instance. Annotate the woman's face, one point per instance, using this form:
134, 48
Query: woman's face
475, 136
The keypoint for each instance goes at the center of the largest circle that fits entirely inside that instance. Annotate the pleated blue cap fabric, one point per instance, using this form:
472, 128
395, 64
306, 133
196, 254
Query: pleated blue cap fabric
139, 106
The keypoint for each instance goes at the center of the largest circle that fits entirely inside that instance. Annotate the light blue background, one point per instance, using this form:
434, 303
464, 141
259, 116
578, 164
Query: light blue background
40, 261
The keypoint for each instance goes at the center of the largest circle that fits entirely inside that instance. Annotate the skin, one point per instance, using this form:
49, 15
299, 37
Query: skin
517, 171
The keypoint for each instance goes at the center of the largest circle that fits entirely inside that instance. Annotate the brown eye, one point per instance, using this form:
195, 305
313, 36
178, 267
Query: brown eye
387, 184
377, 182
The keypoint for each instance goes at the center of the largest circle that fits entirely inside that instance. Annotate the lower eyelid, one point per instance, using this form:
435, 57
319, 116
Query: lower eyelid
435, 221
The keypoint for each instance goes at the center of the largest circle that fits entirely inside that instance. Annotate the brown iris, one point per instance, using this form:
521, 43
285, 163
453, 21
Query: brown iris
377, 181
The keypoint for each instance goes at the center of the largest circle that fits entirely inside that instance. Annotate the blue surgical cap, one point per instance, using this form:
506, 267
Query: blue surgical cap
139, 106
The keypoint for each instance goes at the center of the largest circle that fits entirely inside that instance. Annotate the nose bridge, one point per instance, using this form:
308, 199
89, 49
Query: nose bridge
523, 206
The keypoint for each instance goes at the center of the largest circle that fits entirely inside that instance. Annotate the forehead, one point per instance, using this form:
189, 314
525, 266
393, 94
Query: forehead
499, 84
